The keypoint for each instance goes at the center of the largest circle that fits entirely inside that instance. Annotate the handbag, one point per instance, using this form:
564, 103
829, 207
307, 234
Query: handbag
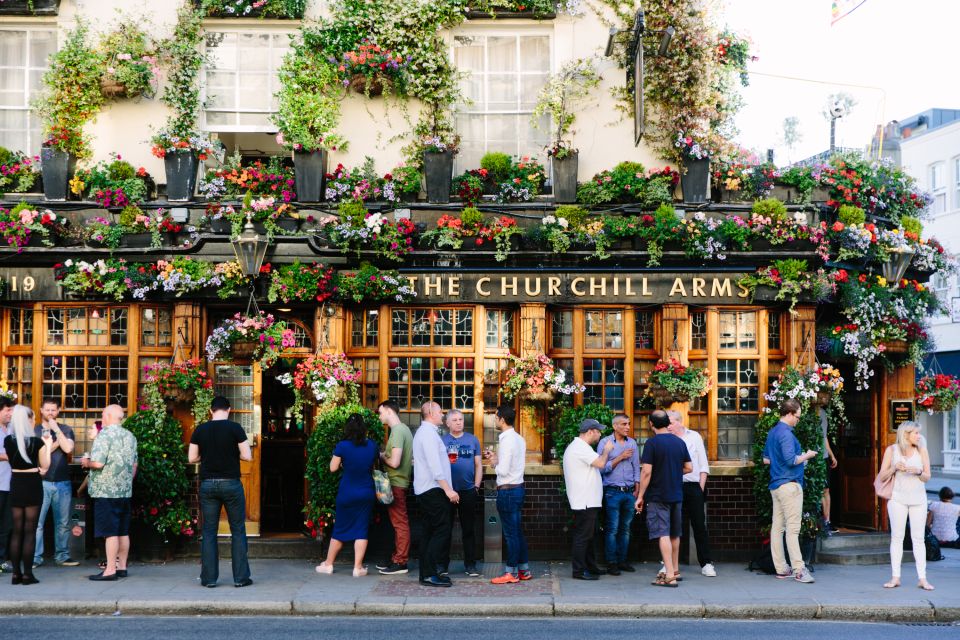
884, 488
381, 484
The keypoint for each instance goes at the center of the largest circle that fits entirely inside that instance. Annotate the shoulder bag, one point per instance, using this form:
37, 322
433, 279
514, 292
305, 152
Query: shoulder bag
884, 488
381, 485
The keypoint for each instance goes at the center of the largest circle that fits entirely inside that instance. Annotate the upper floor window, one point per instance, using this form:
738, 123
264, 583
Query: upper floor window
938, 186
503, 73
240, 79
23, 59
956, 183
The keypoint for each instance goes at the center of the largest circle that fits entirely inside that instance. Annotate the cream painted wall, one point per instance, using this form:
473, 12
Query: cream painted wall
603, 136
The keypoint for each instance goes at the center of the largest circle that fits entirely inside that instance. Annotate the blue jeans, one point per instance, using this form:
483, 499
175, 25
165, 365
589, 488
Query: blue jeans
214, 495
620, 512
59, 495
509, 505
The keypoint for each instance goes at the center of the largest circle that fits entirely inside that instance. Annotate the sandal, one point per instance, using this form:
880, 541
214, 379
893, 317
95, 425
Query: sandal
662, 575
893, 584
926, 586
662, 581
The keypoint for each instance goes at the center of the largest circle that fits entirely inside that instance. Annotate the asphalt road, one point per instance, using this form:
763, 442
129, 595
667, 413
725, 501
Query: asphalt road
288, 628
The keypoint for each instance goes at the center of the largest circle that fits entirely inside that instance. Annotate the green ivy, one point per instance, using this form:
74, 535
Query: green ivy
568, 423
182, 93
327, 432
160, 486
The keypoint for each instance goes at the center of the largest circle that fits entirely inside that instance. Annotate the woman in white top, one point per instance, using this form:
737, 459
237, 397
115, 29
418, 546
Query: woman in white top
908, 463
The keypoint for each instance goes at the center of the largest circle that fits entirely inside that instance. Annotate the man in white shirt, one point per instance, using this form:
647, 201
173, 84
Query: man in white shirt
581, 475
694, 486
509, 461
433, 486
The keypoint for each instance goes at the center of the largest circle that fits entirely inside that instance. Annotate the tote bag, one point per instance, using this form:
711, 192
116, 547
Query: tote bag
381, 484
884, 488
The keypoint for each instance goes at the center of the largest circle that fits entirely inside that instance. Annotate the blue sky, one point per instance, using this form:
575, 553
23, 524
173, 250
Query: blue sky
908, 51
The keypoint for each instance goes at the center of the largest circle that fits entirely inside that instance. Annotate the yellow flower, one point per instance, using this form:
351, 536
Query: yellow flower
881, 281
76, 185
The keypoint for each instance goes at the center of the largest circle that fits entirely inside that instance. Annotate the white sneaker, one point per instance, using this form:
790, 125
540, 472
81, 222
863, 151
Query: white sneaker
323, 567
709, 570
803, 576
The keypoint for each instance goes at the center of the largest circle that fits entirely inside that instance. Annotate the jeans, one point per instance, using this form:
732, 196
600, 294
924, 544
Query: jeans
6, 524
509, 506
620, 512
59, 495
214, 495
584, 526
467, 508
435, 507
694, 505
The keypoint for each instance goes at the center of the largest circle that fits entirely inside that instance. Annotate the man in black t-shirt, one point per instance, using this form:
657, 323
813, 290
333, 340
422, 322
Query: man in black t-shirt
57, 489
665, 459
219, 445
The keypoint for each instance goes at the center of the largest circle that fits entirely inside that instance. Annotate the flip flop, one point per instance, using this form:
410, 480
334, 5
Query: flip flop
664, 583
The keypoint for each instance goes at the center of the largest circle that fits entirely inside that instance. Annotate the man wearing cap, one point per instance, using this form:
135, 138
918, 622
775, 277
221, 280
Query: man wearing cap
581, 474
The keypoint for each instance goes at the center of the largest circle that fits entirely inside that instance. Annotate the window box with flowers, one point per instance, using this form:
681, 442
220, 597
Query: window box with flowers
19, 173
276, 9
234, 180
299, 282
362, 184
536, 378
672, 381
792, 280
516, 9
259, 338
630, 183
469, 232
370, 284
179, 383
269, 215
30, 7
355, 230
113, 184
26, 226
141, 230
938, 392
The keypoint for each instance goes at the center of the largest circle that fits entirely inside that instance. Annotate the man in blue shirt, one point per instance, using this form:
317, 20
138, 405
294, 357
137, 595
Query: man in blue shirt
621, 479
783, 453
466, 467
665, 459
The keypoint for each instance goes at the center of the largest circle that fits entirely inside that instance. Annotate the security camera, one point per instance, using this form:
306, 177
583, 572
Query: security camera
837, 110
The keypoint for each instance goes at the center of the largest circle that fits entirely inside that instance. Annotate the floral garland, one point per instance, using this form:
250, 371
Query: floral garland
329, 377
180, 380
938, 392
118, 279
536, 377
267, 335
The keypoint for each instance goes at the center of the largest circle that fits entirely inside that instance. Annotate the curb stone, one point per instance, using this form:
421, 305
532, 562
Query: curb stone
762, 611
60, 607
200, 607
532, 610
874, 613
574, 610
308, 608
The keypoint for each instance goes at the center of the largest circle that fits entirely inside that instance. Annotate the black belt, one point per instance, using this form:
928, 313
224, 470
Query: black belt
620, 489
509, 486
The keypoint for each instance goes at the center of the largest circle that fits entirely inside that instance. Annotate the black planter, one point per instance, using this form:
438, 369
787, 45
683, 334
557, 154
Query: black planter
290, 225
310, 174
695, 183
137, 240
438, 173
181, 167
565, 178
23, 7
57, 167
221, 225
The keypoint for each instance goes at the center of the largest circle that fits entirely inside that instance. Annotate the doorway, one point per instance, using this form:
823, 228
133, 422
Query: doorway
853, 500
283, 464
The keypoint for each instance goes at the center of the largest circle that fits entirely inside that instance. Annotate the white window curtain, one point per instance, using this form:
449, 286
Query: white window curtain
240, 79
503, 73
24, 56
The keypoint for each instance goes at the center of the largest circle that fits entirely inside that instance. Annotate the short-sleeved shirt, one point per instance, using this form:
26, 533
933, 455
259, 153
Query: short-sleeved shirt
667, 453
116, 448
464, 469
581, 478
944, 525
59, 470
401, 438
219, 454
32, 447
782, 449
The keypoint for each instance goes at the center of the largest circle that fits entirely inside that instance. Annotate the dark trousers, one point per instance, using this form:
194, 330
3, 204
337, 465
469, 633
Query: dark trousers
466, 510
510, 507
584, 526
435, 538
694, 504
215, 495
6, 524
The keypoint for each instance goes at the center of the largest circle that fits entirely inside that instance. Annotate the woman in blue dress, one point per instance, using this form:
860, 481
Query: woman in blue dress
355, 454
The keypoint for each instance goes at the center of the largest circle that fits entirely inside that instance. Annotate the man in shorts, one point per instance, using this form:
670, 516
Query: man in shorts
665, 459
112, 464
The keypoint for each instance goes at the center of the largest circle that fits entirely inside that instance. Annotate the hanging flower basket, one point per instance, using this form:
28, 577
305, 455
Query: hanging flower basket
536, 378
664, 396
938, 392
895, 346
367, 85
823, 398
179, 383
243, 350
178, 395
110, 88
537, 396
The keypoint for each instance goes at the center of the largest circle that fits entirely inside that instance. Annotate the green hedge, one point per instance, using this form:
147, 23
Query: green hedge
568, 424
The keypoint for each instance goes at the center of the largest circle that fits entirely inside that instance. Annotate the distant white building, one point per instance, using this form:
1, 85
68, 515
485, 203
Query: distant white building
928, 146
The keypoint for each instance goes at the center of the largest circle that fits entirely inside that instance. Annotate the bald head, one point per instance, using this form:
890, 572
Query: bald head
113, 414
430, 412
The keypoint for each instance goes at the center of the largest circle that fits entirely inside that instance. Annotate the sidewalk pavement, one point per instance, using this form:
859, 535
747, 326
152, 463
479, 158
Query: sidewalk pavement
291, 587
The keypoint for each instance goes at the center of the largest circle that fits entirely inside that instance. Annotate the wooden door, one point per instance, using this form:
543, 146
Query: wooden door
240, 384
853, 501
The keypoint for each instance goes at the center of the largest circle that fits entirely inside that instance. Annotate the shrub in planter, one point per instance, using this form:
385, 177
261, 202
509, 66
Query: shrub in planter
770, 208
850, 215
18, 172
114, 183
24, 225
499, 166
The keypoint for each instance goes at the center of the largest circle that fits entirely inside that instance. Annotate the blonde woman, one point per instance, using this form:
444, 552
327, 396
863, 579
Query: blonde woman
29, 459
908, 464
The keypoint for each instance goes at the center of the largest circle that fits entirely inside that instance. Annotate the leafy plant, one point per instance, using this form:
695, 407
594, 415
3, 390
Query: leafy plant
793, 279
498, 165
300, 283
165, 381
558, 98
770, 208
182, 91
113, 183
18, 172
370, 284
850, 215
568, 423
911, 224
131, 61
160, 486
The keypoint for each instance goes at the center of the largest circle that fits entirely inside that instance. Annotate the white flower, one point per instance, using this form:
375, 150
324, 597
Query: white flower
563, 222
800, 217
699, 216
68, 263
549, 220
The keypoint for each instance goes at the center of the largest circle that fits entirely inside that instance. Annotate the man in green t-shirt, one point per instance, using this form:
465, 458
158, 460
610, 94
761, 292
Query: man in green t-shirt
398, 458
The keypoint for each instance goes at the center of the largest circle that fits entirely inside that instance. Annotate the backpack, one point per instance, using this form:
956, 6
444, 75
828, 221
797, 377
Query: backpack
933, 546
763, 561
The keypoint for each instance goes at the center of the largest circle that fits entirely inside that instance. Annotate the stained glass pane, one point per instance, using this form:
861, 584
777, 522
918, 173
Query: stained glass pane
561, 329
698, 325
644, 330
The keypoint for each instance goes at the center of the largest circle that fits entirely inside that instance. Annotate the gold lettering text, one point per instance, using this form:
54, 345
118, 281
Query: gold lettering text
598, 284
429, 284
553, 286
698, 284
678, 288
512, 285
528, 290
721, 289
574, 287
645, 290
453, 286
744, 292
480, 290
